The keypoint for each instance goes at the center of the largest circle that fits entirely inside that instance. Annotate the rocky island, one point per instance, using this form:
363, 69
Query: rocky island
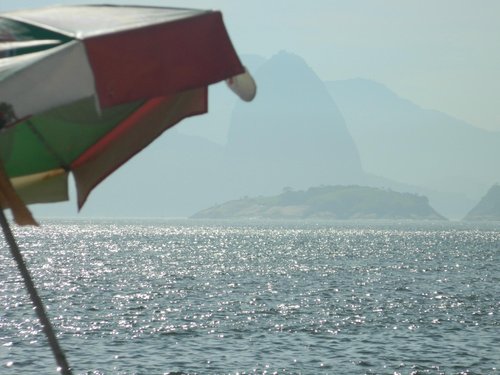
488, 208
327, 202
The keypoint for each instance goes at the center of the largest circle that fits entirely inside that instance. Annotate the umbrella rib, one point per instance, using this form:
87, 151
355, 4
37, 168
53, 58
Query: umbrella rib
48, 146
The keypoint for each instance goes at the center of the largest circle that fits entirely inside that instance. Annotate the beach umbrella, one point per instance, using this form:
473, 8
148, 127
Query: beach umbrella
85, 88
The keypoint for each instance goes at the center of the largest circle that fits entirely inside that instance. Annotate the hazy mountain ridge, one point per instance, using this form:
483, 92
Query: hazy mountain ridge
301, 132
327, 202
423, 147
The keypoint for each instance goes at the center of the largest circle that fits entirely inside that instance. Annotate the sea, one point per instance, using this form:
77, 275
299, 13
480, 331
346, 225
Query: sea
180, 296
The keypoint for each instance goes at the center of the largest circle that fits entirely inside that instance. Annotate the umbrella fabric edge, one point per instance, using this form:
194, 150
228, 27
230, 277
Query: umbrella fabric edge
9, 198
45, 187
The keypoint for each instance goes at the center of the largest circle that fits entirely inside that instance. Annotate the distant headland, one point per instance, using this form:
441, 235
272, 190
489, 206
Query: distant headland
327, 202
488, 208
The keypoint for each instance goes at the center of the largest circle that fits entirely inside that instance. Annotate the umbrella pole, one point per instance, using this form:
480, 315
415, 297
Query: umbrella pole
63, 365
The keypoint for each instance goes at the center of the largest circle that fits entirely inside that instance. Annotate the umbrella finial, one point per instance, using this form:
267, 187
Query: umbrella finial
243, 85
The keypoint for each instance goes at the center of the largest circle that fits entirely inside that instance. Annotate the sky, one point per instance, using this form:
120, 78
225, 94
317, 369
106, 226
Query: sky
440, 54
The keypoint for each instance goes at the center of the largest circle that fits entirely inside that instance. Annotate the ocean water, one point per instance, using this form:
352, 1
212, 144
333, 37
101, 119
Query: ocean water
200, 297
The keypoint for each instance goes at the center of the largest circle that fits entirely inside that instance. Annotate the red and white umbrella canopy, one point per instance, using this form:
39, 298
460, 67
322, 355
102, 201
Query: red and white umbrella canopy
84, 88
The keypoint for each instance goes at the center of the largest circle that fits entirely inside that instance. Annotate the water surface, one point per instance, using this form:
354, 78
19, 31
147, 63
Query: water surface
196, 297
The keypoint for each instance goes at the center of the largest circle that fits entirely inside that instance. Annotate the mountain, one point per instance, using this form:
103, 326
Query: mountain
291, 135
401, 141
300, 132
327, 202
488, 208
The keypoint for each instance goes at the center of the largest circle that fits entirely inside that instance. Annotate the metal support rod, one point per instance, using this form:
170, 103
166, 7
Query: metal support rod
62, 364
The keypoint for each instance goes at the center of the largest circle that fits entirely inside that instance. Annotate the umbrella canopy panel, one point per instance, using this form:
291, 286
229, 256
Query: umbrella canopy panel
136, 52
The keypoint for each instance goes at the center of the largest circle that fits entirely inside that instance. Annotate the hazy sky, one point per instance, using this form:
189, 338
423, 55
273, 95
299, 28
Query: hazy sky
441, 54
